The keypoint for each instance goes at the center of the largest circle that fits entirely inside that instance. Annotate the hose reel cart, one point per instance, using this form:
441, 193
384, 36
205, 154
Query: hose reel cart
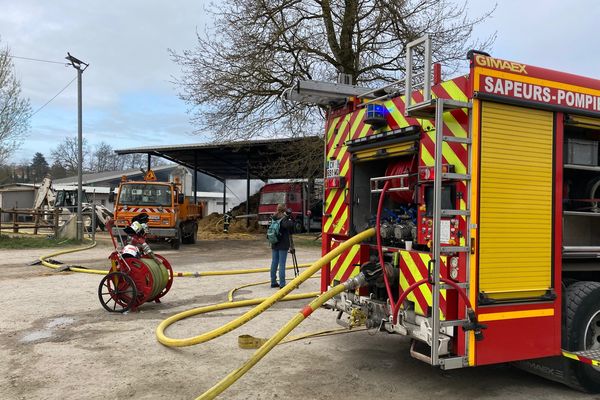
133, 281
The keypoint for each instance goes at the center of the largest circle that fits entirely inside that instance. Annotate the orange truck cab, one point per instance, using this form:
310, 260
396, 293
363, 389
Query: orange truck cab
171, 215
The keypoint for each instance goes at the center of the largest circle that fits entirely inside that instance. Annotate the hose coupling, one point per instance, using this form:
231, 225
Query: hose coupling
356, 282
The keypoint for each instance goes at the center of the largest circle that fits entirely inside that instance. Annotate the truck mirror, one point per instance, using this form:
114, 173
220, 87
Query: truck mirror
111, 197
180, 198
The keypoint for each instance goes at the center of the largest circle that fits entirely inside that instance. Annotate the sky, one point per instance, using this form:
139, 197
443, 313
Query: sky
129, 97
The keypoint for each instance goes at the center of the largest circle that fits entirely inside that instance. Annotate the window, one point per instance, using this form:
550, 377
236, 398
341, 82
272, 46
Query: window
272, 198
145, 194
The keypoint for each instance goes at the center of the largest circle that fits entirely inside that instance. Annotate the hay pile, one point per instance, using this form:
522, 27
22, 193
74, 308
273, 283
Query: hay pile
211, 226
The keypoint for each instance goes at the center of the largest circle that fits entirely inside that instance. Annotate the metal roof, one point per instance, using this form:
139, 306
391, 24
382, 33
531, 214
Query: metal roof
234, 160
101, 177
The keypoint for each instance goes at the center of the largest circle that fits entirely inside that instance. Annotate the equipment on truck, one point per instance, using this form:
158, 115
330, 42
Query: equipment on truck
305, 205
137, 275
172, 215
482, 190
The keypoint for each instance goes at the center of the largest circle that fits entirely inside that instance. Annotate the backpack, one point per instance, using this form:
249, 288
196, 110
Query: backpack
273, 233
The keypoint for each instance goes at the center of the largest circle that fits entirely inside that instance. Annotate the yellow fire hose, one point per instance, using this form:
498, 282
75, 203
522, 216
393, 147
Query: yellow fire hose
264, 304
236, 374
282, 294
43, 260
46, 263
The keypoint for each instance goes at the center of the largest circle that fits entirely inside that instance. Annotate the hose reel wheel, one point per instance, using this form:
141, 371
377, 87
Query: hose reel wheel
117, 292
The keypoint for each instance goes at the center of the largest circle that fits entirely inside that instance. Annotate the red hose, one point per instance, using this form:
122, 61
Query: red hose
415, 285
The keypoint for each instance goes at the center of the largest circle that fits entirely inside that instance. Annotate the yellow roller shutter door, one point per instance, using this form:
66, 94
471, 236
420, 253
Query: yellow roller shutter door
515, 242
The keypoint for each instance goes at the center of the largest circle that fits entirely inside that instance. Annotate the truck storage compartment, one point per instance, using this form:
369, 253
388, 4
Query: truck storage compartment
581, 152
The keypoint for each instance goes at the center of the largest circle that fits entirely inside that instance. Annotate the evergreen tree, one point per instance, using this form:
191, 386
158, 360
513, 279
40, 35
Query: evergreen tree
39, 167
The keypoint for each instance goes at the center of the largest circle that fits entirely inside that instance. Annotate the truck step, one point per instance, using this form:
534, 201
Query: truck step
454, 322
452, 213
454, 139
456, 177
462, 285
454, 249
591, 357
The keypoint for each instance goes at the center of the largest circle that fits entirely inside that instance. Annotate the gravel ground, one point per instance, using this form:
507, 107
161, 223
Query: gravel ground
57, 342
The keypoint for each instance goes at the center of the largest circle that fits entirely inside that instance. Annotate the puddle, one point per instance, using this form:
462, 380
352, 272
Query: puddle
36, 335
61, 321
49, 331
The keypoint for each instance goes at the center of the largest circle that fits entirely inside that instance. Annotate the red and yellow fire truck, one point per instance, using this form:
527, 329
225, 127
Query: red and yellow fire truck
484, 193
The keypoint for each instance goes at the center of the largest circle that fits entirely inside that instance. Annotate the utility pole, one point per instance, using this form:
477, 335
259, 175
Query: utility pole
80, 66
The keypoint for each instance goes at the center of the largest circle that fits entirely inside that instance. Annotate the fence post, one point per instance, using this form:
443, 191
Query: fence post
36, 221
14, 221
93, 221
56, 213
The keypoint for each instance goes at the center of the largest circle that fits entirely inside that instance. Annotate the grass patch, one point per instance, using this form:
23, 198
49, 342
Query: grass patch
307, 239
33, 242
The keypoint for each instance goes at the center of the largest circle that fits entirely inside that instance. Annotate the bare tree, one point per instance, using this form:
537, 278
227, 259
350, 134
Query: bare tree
256, 49
103, 158
14, 109
66, 155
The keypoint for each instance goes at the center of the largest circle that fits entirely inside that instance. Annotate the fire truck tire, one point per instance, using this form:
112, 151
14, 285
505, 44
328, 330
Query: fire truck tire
581, 331
298, 228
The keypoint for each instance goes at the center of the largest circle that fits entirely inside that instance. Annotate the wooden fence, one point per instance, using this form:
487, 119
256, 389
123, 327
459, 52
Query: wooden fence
27, 219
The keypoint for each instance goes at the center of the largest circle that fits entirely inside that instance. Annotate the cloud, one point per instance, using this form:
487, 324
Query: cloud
128, 96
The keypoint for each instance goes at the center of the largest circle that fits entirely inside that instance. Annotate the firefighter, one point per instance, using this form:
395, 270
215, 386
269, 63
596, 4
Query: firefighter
227, 221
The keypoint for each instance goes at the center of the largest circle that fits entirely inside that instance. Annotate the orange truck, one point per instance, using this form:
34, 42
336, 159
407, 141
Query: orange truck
172, 216
484, 192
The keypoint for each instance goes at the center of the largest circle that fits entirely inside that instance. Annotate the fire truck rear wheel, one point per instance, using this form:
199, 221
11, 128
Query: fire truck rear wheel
298, 228
581, 331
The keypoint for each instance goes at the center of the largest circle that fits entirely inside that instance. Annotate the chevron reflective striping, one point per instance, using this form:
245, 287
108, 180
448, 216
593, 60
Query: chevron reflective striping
583, 357
344, 266
411, 274
333, 134
413, 268
340, 135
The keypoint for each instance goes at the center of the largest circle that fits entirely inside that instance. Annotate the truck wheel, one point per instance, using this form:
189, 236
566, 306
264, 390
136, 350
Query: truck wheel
581, 331
176, 241
194, 234
298, 228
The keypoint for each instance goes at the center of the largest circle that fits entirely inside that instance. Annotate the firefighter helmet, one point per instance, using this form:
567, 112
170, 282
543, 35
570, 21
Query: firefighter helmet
130, 251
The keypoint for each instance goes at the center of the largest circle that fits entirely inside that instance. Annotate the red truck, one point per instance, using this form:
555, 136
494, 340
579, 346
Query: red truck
306, 210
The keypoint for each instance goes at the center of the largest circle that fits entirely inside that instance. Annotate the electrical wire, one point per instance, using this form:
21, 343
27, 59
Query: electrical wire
38, 60
55, 96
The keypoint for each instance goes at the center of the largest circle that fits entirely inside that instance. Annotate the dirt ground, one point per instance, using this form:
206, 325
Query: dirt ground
57, 342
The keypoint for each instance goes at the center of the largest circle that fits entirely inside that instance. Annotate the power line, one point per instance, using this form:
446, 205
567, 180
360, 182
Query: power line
55, 96
39, 60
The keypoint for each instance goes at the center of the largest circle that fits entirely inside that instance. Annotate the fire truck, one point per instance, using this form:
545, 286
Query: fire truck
483, 190
305, 208
172, 216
